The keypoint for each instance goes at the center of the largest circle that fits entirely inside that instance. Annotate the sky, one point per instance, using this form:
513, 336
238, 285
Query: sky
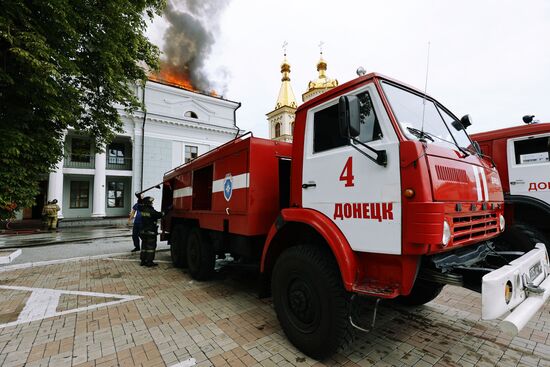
488, 58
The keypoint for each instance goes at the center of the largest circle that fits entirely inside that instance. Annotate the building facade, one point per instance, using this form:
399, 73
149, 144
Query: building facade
178, 125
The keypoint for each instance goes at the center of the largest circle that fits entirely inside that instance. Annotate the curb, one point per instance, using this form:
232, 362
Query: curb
61, 242
61, 261
9, 258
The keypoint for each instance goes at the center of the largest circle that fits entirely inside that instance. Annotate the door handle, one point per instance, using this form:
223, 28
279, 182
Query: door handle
309, 184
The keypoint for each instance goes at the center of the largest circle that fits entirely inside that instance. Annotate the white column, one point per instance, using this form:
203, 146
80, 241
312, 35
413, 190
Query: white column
55, 186
98, 206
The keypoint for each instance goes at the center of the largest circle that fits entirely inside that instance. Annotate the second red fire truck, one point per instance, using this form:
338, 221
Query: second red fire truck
382, 194
522, 156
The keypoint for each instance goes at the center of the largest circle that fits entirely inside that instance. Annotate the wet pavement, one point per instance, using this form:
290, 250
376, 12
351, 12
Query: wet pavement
64, 235
112, 312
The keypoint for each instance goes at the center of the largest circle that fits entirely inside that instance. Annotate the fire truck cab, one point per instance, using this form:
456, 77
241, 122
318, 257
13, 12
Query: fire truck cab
382, 194
522, 157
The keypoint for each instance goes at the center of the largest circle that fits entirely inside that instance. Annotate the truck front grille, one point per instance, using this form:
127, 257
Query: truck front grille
445, 173
474, 227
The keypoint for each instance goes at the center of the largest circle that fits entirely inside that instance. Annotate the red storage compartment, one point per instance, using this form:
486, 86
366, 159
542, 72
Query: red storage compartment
237, 183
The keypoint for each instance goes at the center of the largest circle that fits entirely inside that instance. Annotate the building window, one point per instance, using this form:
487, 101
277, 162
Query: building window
115, 194
532, 151
292, 128
191, 153
116, 153
277, 130
79, 194
80, 150
191, 114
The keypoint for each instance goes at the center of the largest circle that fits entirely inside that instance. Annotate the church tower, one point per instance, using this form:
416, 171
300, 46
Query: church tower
322, 83
281, 119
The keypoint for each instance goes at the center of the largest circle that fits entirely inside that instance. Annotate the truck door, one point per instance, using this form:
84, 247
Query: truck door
529, 166
360, 196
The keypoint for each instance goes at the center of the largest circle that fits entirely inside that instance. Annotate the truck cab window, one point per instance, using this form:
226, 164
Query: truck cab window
325, 130
418, 121
532, 151
325, 126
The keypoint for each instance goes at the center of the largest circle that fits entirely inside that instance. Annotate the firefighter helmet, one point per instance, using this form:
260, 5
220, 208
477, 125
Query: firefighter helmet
148, 200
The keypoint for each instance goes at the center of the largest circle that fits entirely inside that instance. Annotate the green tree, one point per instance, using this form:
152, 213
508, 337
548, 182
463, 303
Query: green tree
65, 63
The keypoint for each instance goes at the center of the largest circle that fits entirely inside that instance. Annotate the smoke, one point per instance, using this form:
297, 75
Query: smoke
189, 38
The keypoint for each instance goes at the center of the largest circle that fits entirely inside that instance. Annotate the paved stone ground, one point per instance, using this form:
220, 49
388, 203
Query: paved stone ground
223, 323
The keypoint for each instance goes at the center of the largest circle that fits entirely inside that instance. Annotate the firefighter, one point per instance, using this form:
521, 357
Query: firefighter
148, 232
135, 214
49, 215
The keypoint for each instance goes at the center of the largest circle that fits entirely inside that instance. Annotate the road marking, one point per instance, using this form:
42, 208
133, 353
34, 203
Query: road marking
117, 259
43, 303
40, 305
63, 261
187, 363
6, 259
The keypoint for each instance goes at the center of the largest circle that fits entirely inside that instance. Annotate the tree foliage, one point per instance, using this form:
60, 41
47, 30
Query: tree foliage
65, 63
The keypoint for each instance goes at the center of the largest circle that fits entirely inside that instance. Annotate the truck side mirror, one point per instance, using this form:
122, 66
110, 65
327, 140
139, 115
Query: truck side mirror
477, 147
466, 121
348, 116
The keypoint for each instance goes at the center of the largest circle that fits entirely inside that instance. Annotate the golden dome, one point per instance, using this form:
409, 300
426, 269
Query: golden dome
322, 82
286, 95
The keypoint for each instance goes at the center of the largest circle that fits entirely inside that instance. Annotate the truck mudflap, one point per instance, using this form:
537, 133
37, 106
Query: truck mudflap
521, 288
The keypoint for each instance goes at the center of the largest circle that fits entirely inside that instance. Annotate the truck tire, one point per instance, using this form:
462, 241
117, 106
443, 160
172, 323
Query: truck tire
178, 245
421, 293
310, 301
521, 237
200, 255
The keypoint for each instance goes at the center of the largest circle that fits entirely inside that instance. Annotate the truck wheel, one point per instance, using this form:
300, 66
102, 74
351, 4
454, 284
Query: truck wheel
178, 244
311, 302
421, 293
200, 255
521, 237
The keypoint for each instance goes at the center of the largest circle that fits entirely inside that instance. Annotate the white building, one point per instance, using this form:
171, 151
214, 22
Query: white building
178, 125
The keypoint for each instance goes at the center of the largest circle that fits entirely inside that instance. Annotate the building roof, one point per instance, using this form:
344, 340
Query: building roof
173, 85
286, 94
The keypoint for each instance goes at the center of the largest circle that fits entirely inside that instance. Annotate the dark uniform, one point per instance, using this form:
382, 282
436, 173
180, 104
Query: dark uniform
148, 232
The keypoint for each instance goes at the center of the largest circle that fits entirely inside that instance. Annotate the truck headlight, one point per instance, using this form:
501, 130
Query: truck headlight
502, 222
508, 291
446, 233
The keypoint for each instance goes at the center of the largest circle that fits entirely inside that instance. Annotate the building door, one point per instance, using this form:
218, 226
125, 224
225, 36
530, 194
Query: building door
39, 201
361, 197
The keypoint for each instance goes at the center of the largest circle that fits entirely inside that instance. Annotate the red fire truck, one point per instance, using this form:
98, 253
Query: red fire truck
522, 157
381, 195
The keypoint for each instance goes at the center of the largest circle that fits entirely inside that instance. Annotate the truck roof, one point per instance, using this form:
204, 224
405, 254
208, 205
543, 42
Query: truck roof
350, 85
511, 132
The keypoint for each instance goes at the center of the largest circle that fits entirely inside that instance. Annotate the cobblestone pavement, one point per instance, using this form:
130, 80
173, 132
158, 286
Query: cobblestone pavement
223, 323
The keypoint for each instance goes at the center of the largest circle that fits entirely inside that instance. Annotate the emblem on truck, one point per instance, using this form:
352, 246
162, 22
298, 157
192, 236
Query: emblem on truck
227, 186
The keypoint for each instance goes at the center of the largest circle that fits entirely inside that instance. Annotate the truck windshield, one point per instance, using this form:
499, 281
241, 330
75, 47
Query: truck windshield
439, 125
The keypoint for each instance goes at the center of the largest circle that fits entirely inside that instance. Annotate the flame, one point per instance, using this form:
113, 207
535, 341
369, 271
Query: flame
170, 74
